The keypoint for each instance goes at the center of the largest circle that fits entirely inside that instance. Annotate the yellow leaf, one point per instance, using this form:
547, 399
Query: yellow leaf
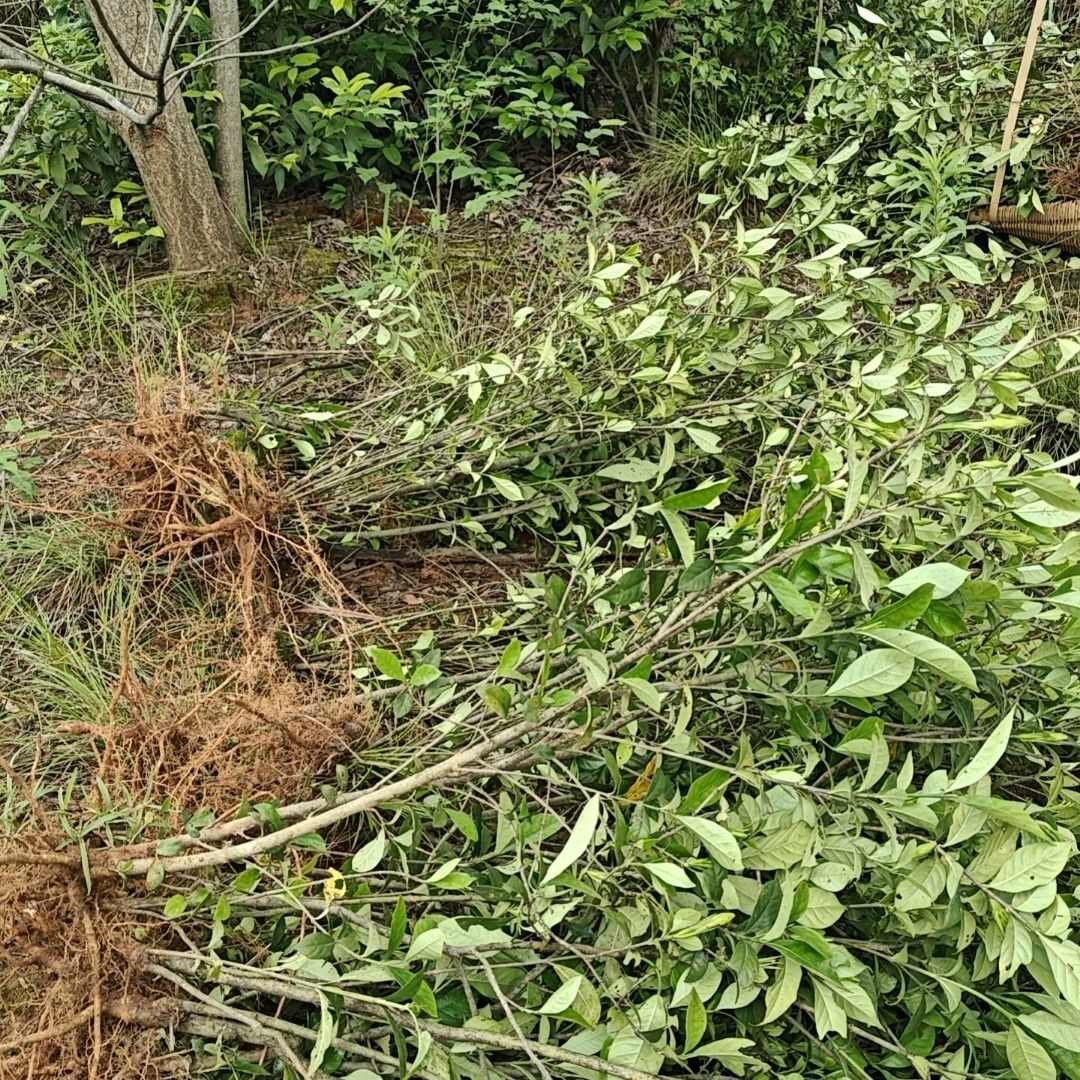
640, 787
334, 886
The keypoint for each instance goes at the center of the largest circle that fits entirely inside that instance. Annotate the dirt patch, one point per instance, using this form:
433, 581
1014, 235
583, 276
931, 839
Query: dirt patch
396, 584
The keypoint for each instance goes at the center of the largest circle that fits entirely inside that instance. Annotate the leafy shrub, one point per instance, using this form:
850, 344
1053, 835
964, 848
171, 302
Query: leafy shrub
791, 789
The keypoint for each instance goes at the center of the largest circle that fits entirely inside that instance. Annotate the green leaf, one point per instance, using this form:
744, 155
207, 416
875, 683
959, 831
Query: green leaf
464, 823
247, 879
681, 535
398, 923
697, 577
563, 998
670, 874
370, 855
877, 672
779, 849
644, 691
387, 663
424, 675
628, 589
649, 327
498, 699
1027, 1058
721, 845
1031, 866
508, 488
426, 946
788, 597
945, 578
962, 268
698, 498
696, 1021
595, 666
257, 156
1050, 1027
933, 653
922, 885
704, 789
986, 757
327, 1027
1053, 488
635, 471
782, 993
175, 906
903, 612
728, 1050
508, 662
582, 834
840, 233
311, 841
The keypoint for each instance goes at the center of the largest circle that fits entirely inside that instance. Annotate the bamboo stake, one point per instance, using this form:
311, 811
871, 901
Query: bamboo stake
1015, 103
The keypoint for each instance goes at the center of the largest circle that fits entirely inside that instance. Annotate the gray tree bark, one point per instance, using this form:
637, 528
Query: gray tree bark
169, 156
229, 148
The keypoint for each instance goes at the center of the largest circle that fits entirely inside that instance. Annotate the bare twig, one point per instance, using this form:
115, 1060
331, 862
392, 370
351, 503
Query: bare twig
508, 1011
20, 119
276, 1039
443, 1032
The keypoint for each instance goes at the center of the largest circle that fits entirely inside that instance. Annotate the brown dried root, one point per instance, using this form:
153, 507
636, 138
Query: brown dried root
64, 957
258, 731
1064, 178
181, 496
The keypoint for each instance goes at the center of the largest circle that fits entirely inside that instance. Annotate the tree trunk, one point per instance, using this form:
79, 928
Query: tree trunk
168, 153
229, 148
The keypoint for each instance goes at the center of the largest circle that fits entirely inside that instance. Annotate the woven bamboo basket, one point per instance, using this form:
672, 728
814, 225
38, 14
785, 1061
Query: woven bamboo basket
1058, 227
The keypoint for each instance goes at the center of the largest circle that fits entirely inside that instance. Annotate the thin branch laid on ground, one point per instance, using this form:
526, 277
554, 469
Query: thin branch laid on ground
284, 988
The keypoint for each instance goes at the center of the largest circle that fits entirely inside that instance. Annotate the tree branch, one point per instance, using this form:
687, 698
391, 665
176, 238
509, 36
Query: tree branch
294, 46
76, 87
368, 800
103, 22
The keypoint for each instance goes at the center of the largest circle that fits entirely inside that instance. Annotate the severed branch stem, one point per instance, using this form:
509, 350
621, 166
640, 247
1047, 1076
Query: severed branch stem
285, 988
275, 1039
368, 800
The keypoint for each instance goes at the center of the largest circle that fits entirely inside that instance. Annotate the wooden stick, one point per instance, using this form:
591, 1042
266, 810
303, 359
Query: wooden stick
1015, 103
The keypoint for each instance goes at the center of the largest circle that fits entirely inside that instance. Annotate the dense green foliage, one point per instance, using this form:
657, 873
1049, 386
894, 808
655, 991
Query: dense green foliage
461, 101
